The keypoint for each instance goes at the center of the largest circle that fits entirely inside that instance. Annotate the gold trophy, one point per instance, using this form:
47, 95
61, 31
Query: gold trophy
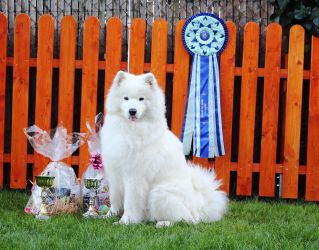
45, 182
93, 185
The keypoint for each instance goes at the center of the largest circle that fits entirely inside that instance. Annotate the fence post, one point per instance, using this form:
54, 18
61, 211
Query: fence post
43, 83
247, 109
312, 170
293, 112
91, 36
227, 79
20, 101
270, 111
3, 67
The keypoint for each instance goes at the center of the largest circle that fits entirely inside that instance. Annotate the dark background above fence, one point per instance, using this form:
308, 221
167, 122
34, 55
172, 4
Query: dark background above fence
239, 11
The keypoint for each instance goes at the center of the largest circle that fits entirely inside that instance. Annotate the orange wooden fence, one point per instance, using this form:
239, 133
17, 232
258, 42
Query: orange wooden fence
90, 64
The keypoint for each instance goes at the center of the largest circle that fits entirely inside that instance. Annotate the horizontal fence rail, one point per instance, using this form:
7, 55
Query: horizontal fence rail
87, 100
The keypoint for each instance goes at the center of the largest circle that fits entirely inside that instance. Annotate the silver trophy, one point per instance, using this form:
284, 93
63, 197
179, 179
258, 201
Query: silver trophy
45, 182
93, 185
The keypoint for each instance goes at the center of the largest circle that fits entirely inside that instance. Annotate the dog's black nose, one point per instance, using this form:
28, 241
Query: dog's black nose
132, 112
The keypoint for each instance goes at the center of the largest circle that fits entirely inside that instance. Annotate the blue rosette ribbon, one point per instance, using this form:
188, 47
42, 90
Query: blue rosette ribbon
204, 36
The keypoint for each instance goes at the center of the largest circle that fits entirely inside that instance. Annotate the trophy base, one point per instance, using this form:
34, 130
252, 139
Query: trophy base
42, 217
91, 214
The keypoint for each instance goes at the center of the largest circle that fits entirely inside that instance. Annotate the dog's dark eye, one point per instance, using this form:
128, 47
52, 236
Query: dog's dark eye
141, 99
126, 98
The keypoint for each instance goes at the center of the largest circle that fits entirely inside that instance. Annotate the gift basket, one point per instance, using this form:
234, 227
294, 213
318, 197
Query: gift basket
95, 170
63, 194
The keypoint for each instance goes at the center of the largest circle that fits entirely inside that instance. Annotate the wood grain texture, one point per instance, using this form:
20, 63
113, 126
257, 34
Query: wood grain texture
113, 51
20, 101
180, 81
137, 46
159, 51
283, 109
66, 72
293, 112
270, 110
247, 109
3, 67
91, 37
227, 77
44, 83
312, 174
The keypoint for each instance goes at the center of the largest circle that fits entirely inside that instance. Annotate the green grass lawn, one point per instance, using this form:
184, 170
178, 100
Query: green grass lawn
249, 224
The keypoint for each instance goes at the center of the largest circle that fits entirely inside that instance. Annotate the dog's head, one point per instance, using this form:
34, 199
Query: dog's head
135, 97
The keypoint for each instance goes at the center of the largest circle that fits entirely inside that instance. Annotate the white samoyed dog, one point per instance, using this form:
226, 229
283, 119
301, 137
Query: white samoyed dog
149, 178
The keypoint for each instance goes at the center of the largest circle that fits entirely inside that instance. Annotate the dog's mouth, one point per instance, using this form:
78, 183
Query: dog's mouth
132, 118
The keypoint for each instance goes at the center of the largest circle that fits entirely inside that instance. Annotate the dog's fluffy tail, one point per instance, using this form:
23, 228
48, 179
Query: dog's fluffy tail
214, 202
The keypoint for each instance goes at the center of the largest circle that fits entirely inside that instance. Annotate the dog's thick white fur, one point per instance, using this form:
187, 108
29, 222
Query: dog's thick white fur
149, 178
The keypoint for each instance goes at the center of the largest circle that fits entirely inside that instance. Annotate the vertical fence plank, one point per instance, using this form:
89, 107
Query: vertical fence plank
44, 83
270, 110
312, 174
227, 77
113, 52
137, 46
180, 81
180, 86
20, 101
247, 109
159, 51
66, 72
201, 161
293, 112
283, 110
91, 38
3, 60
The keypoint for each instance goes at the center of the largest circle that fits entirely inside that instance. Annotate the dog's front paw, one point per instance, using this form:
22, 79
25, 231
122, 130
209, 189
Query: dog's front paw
126, 220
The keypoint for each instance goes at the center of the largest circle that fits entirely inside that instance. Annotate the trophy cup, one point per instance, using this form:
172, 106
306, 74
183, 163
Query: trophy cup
45, 182
92, 184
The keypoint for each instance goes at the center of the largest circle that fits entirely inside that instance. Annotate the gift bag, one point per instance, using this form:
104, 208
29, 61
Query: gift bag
95, 168
64, 195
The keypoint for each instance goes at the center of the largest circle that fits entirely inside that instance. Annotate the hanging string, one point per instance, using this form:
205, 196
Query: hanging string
129, 35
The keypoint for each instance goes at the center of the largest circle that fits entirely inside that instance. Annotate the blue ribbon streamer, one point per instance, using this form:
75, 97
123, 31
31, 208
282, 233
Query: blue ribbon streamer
202, 119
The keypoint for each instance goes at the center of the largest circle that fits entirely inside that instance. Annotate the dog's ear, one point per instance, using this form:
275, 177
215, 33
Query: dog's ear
150, 79
120, 77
